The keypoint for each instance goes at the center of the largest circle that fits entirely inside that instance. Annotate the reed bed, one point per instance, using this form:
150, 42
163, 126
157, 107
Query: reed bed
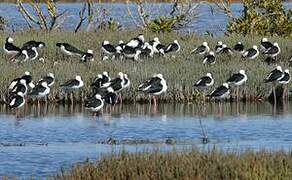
180, 71
192, 164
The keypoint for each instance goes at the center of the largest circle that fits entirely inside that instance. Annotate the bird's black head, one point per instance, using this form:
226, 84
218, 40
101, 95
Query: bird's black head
59, 44
41, 44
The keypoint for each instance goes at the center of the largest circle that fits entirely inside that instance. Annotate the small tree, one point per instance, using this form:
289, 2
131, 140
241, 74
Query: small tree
264, 17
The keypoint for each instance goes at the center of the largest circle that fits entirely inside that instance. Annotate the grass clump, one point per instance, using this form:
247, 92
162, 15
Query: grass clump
180, 71
192, 164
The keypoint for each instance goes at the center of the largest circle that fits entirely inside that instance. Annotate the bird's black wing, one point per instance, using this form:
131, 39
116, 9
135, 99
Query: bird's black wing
235, 78
70, 83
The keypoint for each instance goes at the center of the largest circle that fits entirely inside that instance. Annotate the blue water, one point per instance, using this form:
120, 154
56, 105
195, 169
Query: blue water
207, 21
43, 140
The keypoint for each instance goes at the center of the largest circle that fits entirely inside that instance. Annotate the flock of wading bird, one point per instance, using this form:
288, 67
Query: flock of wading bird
105, 89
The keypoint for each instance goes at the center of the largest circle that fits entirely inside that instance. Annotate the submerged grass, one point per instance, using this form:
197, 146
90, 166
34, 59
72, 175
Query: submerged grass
192, 164
180, 72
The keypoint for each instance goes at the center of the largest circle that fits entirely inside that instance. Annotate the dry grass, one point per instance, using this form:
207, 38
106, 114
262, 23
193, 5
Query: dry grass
192, 164
180, 72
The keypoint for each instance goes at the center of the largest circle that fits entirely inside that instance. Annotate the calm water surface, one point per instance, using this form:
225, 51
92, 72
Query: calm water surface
207, 21
45, 139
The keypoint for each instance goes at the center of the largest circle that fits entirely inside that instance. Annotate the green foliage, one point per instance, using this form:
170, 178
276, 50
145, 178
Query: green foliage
193, 164
262, 18
164, 23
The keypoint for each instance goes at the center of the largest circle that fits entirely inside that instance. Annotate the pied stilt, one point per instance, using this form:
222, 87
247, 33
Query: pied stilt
202, 49
20, 87
9, 48
218, 47
273, 51
49, 79
21, 56
131, 53
72, 85
117, 84
265, 44
87, 56
220, 92
173, 47
137, 42
237, 79
154, 86
251, 53
239, 47
94, 104
32, 53
36, 44
210, 58
108, 48
16, 102
41, 90
226, 50
284, 81
204, 83
69, 49
28, 80
273, 77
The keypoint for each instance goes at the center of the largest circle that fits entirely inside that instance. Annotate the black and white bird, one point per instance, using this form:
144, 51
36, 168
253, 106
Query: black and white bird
110, 97
32, 53
108, 48
273, 77
239, 47
41, 90
131, 53
137, 42
172, 47
9, 48
94, 104
251, 53
273, 51
284, 81
69, 49
100, 80
127, 81
226, 50
20, 56
49, 79
26, 77
265, 44
73, 84
16, 102
154, 86
210, 58
117, 83
87, 56
202, 49
147, 50
237, 79
19, 87
218, 46
204, 82
220, 92
157, 47
31, 44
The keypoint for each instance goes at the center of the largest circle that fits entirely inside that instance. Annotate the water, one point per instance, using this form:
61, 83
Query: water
45, 139
207, 21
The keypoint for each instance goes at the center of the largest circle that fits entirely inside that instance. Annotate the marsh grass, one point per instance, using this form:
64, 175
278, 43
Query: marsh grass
193, 164
180, 72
